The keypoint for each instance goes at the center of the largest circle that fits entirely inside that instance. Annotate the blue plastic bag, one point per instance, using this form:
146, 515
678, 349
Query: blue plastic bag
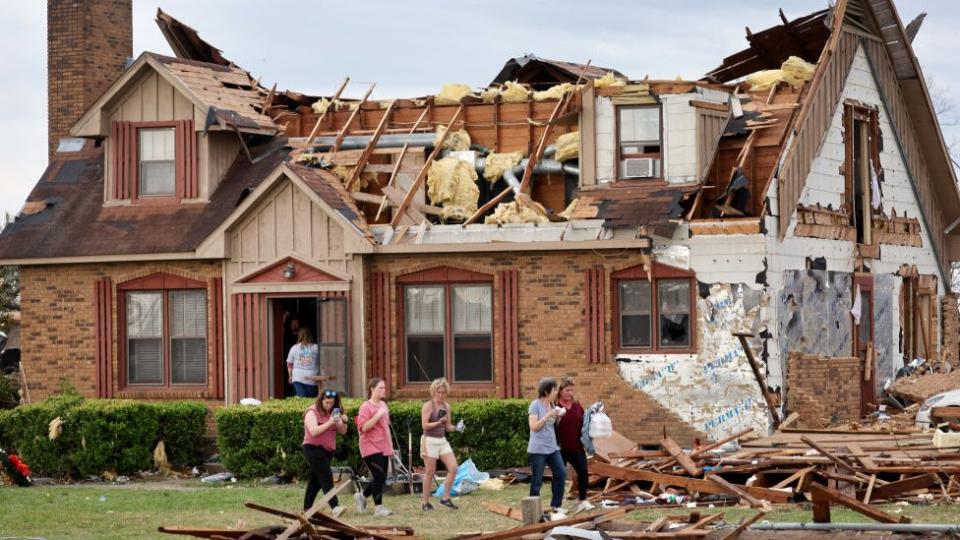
467, 479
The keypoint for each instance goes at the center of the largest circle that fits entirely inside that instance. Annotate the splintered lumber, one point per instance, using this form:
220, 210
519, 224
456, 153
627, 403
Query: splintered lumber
690, 484
823, 493
893, 489
518, 532
422, 175
832, 457
368, 151
680, 456
353, 115
744, 524
503, 510
399, 158
868, 464
203, 532
821, 507
323, 115
771, 406
789, 420
712, 446
739, 491
314, 509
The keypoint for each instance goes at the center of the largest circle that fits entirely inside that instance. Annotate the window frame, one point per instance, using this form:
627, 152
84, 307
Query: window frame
172, 130
448, 278
858, 116
165, 284
178, 155
619, 156
658, 272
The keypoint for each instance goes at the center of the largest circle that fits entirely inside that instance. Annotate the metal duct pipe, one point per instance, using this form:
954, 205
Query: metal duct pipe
891, 527
391, 140
546, 166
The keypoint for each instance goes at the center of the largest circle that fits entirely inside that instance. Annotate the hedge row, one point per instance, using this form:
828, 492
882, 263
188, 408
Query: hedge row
264, 440
99, 435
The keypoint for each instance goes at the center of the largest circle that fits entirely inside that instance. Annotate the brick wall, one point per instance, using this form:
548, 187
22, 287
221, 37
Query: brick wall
551, 333
59, 317
824, 390
88, 43
951, 330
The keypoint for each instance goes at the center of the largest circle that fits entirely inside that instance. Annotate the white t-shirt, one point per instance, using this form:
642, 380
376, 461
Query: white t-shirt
305, 360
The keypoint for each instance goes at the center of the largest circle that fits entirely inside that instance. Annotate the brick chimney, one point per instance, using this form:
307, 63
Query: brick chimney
88, 44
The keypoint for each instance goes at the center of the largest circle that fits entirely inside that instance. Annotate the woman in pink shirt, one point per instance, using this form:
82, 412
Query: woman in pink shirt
376, 448
321, 423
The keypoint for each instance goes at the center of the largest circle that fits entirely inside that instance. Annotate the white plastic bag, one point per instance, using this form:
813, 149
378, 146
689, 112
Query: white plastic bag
600, 425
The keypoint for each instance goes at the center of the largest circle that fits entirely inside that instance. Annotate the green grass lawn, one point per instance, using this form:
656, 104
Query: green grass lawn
135, 511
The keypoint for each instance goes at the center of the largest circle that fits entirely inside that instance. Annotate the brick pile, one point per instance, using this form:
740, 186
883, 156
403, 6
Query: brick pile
824, 390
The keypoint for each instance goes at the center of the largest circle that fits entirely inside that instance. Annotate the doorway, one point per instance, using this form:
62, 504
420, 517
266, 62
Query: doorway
863, 334
326, 318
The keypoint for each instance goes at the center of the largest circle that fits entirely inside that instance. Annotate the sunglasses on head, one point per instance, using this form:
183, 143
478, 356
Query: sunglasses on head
329, 393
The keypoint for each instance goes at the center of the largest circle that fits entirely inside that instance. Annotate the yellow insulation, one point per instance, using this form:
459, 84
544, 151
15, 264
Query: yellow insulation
497, 164
452, 185
55, 429
554, 92
490, 94
321, 106
569, 210
345, 171
160, 460
458, 141
794, 71
514, 212
608, 80
568, 146
514, 92
452, 94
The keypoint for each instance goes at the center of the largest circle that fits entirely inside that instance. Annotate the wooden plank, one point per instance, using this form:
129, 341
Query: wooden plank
678, 454
295, 528
738, 491
422, 175
399, 158
744, 524
893, 489
868, 464
700, 451
396, 198
353, 115
821, 507
830, 495
316, 127
503, 510
793, 477
518, 532
789, 420
831, 456
368, 151
869, 492
690, 484
771, 406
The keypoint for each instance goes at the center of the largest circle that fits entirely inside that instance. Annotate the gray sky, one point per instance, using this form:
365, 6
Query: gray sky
413, 47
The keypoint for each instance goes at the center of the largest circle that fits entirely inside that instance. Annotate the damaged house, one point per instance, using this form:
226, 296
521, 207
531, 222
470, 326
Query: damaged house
563, 220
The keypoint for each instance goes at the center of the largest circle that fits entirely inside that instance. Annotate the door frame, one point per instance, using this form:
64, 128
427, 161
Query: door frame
868, 393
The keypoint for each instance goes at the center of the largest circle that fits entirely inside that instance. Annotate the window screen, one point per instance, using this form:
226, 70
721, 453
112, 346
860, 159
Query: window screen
188, 337
145, 338
639, 129
424, 324
673, 296
635, 316
472, 321
157, 177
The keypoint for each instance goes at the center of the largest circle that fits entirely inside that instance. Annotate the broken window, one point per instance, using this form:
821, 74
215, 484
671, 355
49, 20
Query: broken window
166, 345
157, 173
639, 141
448, 331
656, 311
861, 160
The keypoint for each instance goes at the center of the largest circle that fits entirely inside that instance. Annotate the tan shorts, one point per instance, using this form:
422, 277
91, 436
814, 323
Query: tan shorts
434, 447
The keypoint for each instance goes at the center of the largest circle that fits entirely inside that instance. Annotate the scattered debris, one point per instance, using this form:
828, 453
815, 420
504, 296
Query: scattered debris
56, 428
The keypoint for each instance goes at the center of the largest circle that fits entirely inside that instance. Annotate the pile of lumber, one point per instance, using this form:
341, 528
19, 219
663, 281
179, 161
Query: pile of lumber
311, 524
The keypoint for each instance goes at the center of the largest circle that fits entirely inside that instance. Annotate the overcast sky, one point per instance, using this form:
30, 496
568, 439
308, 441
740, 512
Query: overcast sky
413, 47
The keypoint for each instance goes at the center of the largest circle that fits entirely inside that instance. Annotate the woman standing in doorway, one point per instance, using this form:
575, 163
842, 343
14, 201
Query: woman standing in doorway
542, 449
376, 448
569, 432
435, 418
321, 424
303, 363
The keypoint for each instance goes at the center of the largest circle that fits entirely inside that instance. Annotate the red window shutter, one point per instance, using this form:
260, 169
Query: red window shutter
380, 326
123, 159
250, 364
103, 309
593, 293
507, 332
186, 143
216, 336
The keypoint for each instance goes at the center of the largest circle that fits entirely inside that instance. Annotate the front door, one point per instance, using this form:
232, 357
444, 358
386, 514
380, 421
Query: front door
325, 317
863, 335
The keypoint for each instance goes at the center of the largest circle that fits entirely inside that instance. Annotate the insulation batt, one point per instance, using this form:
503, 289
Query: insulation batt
452, 94
608, 80
497, 164
569, 210
452, 184
568, 146
794, 71
511, 92
554, 92
458, 141
490, 94
514, 212
366, 178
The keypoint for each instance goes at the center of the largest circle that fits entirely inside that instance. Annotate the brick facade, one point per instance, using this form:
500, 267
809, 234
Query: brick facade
88, 44
552, 333
59, 324
824, 390
951, 330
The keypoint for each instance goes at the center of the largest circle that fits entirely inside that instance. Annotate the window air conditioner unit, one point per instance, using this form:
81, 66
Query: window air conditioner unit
641, 168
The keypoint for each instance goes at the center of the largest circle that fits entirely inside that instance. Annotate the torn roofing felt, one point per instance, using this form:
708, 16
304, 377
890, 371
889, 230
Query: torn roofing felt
653, 205
187, 43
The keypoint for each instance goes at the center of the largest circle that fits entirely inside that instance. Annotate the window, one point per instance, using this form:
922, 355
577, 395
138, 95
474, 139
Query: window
448, 332
861, 168
655, 312
157, 173
166, 337
639, 141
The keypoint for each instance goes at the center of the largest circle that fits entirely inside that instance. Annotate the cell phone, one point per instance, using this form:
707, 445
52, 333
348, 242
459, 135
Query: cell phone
336, 412
441, 413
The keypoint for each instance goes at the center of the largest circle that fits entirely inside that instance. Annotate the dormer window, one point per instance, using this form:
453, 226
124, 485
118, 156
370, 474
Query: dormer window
157, 162
639, 141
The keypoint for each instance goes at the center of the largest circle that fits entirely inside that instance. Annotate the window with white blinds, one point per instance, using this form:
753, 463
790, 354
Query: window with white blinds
188, 337
157, 154
145, 338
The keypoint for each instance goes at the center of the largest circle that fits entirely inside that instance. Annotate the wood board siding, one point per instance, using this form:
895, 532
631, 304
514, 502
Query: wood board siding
710, 126
813, 122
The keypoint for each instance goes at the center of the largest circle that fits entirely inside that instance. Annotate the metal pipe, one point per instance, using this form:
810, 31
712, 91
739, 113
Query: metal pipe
891, 527
390, 140
546, 166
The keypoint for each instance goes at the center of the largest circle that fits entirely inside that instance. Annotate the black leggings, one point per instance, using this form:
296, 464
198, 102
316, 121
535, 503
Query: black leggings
377, 463
578, 459
321, 477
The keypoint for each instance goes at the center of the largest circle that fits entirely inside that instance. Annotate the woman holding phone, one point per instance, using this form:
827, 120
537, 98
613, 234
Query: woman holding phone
436, 422
322, 421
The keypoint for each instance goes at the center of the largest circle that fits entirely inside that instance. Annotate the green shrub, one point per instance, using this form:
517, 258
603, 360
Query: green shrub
99, 435
263, 440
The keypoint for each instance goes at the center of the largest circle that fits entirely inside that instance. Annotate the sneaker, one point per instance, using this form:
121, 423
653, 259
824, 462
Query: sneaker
338, 511
381, 511
584, 506
361, 502
426, 506
449, 504
558, 514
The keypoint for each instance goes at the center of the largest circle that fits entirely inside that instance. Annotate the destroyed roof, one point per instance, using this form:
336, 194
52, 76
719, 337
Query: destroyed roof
187, 43
331, 190
541, 73
65, 217
652, 205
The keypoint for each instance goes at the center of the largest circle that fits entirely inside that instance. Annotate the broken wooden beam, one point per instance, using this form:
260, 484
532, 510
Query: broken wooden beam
678, 455
738, 491
371, 145
771, 406
826, 495
323, 115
